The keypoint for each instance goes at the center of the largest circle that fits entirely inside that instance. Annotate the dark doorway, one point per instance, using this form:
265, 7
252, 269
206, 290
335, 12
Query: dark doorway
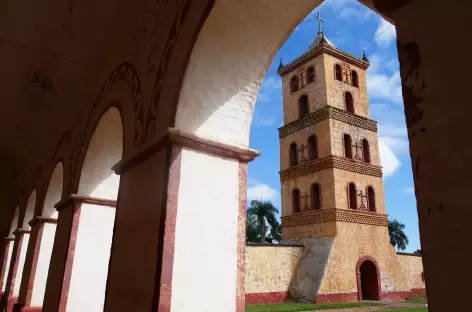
369, 281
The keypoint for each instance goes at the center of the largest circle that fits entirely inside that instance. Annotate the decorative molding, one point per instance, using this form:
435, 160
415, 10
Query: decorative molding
324, 113
323, 48
173, 136
21, 231
330, 215
84, 200
330, 162
40, 219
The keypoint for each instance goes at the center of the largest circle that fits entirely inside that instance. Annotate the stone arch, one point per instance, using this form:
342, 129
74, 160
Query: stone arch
376, 286
29, 211
122, 90
14, 221
61, 154
294, 84
202, 102
54, 192
94, 231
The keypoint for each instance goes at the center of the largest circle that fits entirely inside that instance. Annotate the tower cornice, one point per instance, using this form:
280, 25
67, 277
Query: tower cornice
323, 48
332, 215
330, 162
324, 113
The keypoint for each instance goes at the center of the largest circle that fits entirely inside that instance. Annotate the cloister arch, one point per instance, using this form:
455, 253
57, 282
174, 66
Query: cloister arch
8, 249
97, 193
215, 104
43, 235
19, 256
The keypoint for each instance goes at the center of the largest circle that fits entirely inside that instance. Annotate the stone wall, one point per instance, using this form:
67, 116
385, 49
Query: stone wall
325, 269
412, 266
269, 271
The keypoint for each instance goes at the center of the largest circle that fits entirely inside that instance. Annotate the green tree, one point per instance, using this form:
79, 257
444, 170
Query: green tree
275, 233
252, 234
398, 238
260, 213
417, 252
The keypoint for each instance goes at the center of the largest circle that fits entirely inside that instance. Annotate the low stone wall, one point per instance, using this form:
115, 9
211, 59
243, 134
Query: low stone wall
319, 270
269, 271
412, 266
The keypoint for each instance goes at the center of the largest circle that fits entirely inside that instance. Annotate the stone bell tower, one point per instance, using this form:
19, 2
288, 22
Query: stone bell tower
329, 155
331, 178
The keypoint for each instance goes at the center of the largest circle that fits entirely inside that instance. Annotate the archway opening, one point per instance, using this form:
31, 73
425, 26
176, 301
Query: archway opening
23, 242
303, 106
369, 281
8, 249
97, 215
48, 231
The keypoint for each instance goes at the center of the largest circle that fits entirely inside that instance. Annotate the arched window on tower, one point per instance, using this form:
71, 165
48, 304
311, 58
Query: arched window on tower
296, 200
310, 74
303, 106
349, 101
312, 147
371, 199
355, 79
315, 197
347, 146
294, 84
352, 196
338, 73
293, 154
366, 151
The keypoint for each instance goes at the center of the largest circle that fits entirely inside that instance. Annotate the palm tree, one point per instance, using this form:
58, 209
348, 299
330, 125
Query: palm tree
252, 234
275, 233
398, 238
263, 211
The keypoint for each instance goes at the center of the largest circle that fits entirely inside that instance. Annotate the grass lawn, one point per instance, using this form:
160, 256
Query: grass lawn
419, 299
295, 307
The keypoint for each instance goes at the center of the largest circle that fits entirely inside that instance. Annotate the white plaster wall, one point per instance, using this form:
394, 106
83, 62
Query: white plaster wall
54, 192
105, 150
42, 267
7, 266
205, 255
92, 253
14, 222
29, 213
21, 264
239, 40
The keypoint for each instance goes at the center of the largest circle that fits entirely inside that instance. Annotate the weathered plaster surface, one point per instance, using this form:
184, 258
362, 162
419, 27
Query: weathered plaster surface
270, 269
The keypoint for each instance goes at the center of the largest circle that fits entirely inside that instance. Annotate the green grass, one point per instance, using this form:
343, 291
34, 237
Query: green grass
295, 307
418, 299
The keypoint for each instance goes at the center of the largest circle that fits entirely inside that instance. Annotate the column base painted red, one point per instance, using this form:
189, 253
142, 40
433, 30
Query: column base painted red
279, 297
11, 303
270, 297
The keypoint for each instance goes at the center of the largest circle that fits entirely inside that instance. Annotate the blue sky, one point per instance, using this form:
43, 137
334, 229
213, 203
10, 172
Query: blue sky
351, 27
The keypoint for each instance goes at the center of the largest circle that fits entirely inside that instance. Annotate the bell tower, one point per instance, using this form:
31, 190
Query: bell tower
330, 168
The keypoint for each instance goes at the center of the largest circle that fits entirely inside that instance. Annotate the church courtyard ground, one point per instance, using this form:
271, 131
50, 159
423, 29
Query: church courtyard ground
416, 304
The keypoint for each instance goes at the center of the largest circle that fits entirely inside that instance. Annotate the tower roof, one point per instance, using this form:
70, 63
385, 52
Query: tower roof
318, 40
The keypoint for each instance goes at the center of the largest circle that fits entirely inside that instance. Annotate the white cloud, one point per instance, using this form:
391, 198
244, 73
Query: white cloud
389, 161
258, 190
271, 85
385, 34
383, 86
358, 13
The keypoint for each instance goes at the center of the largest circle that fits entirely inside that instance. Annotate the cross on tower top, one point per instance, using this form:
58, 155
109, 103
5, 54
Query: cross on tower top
318, 17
